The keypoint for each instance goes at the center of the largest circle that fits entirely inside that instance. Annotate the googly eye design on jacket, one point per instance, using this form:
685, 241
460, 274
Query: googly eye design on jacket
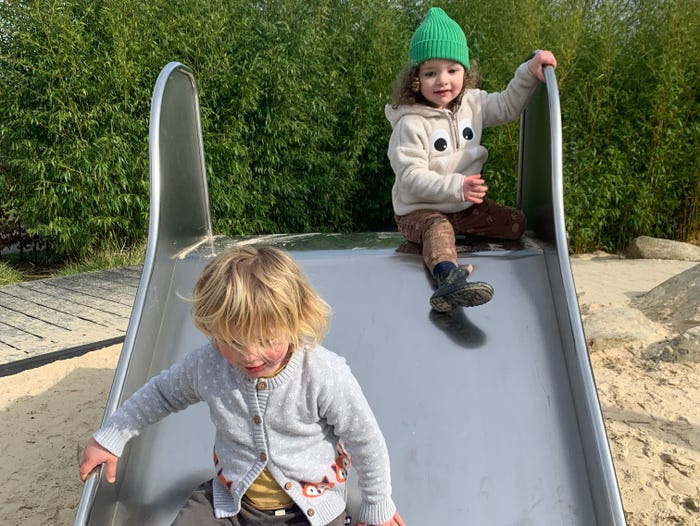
466, 131
439, 141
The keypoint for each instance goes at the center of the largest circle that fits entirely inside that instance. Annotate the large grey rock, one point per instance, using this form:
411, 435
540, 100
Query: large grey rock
653, 248
620, 326
676, 301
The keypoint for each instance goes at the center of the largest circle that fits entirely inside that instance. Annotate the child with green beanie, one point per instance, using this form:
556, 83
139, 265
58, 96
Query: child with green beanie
437, 157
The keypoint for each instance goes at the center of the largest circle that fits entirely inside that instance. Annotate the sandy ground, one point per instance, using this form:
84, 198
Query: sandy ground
46, 415
651, 410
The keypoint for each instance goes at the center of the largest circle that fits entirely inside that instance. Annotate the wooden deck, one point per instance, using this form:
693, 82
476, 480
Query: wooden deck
60, 317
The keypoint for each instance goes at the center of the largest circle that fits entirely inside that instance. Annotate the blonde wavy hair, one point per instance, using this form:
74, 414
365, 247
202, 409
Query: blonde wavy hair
247, 294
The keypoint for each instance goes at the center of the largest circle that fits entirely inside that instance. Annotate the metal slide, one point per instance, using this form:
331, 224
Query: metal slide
491, 416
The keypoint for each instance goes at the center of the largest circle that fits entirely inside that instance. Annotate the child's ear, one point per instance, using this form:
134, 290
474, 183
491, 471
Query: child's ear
415, 84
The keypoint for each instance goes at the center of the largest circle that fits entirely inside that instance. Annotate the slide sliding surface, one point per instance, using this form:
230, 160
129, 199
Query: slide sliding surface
490, 415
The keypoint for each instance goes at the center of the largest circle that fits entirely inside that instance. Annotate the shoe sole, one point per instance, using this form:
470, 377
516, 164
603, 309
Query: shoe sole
476, 293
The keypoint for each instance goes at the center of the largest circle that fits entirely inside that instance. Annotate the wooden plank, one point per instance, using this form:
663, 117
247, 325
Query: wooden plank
42, 312
57, 305
129, 276
82, 296
5, 348
17, 344
108, 280
26, 324
17, 338
134, 272
13, 355
45, 318
92, 287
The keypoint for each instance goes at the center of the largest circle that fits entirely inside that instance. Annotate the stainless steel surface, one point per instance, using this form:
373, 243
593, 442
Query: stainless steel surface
541, 196
490, 415
179, 217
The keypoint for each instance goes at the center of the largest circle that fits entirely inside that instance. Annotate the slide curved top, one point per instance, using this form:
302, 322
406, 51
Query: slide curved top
179, 212
179, 196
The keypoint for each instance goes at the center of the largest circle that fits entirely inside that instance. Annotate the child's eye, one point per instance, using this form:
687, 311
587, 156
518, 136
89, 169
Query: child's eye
266, 343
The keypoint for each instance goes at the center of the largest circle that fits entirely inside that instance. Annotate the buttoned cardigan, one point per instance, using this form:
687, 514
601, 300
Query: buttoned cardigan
298, 424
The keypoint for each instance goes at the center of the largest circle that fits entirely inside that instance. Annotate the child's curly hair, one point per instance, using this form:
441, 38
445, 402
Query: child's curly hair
404, 94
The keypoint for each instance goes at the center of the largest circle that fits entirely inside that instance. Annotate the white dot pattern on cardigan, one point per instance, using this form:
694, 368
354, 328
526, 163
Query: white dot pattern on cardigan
303, 409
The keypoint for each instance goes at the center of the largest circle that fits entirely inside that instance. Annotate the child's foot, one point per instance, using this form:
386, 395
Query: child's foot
453, 290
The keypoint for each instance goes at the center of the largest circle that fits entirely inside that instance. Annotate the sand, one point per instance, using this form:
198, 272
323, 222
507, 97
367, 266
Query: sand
651, 411
46, 415
651, 408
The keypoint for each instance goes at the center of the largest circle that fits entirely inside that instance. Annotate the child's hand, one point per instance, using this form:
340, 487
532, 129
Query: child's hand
95, 455
396, 520
474, 189
537, 63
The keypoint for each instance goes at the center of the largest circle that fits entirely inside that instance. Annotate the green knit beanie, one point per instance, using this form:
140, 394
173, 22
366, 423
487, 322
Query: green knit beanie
438, 36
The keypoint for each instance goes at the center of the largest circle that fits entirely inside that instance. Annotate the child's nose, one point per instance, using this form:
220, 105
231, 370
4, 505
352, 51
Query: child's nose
248, 357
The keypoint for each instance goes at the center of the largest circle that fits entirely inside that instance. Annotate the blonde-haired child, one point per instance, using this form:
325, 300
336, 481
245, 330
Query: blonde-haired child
289, 414
437, 157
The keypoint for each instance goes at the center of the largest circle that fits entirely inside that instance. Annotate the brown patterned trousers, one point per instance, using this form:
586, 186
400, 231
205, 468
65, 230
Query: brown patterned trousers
435, 231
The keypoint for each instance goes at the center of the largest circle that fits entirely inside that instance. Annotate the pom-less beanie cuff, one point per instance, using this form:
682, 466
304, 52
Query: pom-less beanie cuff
438, 36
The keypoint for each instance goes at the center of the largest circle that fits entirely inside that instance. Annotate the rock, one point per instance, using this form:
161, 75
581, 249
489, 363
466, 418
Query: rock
644, 247
659, 352
676, 301
619, 326
692, 504
683, 348
688, 345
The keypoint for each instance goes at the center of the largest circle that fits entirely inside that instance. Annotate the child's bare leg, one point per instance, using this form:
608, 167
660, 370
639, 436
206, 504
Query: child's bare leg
489, 219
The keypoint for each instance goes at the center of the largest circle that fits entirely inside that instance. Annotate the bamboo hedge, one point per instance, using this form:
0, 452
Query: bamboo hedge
292, 95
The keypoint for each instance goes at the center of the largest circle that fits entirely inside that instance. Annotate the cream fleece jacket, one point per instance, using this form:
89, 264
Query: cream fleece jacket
431, 150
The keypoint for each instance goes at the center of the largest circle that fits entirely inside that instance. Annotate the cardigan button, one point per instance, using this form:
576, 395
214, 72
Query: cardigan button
310, 512
288, 485
263, 457
262, 386
257, 419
